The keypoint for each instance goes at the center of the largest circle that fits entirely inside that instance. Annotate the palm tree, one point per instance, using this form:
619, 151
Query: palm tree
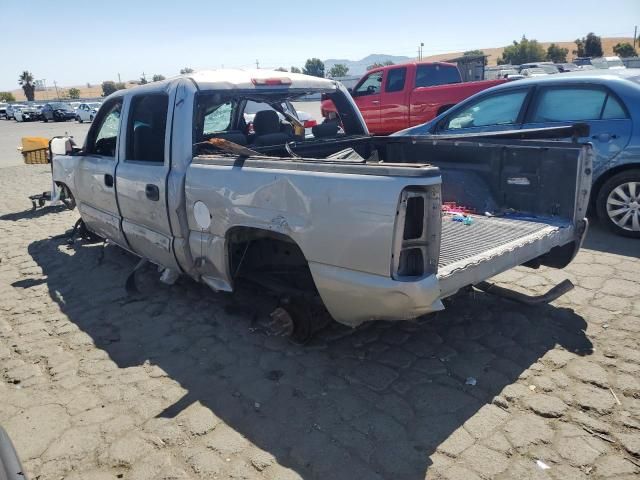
26, 81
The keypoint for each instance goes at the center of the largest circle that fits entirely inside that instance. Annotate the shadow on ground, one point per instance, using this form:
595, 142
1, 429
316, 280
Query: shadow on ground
353, 403
31, 214
603, 240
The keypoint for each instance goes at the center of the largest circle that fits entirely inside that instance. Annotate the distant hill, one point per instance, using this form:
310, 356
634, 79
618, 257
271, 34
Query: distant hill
358, 67
495, 53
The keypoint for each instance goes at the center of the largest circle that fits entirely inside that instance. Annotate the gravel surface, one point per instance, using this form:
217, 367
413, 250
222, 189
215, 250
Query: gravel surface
180, 382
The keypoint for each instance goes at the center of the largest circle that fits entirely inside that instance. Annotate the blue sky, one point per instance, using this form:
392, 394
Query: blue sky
93, 41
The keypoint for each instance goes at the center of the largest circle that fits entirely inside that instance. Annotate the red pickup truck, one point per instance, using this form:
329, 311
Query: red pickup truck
400, 96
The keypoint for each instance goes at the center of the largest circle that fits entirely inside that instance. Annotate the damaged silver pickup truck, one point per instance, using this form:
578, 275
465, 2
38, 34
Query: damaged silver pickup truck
179, 173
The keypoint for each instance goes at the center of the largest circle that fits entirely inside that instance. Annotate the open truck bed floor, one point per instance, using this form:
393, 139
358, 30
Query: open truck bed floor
472, 253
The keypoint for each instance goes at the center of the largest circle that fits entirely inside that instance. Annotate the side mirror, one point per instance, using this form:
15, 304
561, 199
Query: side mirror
61, 146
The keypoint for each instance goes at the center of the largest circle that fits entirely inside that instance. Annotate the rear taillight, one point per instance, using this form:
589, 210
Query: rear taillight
414, 250
309, 123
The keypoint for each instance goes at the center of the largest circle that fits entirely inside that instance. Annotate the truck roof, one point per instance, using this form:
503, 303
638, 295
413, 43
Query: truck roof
396, 65
256, 79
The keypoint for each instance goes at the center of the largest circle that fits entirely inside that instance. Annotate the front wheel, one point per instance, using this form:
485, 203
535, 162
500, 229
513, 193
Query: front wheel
618, 203
45, 119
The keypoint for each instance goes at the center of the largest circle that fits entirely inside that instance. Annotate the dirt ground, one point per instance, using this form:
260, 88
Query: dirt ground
179, 382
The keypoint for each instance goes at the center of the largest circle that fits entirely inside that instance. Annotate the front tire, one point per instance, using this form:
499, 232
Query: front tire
618, 203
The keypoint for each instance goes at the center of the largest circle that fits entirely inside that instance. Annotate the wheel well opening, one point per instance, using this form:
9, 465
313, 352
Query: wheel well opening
270, 259
597, 185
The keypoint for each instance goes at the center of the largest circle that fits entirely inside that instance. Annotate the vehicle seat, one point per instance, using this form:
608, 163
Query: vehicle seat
235, 136
326, 129
266, 125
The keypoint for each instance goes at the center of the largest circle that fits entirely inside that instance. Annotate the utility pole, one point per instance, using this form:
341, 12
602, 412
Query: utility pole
56, 86
257, 64
635, 35
421, 49
119, 81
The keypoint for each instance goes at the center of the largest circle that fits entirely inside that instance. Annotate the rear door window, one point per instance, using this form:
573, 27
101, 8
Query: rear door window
147, 128
436, 74
571, 104
395, 79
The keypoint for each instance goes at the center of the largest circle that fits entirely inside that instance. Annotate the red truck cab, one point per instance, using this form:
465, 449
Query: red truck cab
396, 97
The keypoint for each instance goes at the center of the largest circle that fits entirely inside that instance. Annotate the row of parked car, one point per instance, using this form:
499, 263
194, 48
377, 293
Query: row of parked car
52, 111
539, 69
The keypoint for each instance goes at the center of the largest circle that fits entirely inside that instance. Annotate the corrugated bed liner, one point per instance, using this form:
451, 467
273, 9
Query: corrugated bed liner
461, 242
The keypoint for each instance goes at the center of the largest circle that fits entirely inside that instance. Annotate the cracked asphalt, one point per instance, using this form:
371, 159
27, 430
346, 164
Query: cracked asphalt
181, 383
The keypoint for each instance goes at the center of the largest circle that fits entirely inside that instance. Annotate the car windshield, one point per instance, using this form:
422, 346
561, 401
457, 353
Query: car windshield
549, 68
615, 62
60, 106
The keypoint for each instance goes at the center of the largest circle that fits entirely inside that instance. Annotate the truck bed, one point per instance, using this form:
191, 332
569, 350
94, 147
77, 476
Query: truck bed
472, 253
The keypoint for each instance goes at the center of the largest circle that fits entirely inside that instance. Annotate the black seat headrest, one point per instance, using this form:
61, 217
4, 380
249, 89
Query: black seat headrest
265, 122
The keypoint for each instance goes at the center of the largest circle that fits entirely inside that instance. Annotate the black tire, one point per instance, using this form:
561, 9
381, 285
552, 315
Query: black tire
91, 118
45, 119
620, 181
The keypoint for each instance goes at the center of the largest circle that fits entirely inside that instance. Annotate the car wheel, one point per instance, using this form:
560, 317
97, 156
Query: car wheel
45, 119
91, 118
78, 119
618, 203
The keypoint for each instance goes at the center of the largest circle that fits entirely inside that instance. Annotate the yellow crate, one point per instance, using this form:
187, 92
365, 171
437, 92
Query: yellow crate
34, 143
36, 156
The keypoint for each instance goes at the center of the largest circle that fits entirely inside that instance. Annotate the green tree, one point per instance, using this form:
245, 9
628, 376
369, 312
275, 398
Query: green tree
295, 70
589, 46
109, 86
314, 67
383, 64
281, 69
625, 49
186, 70
157, 77
73, 93
523, 51
339, 70
7, 97
26, 82
143, 80
557, 54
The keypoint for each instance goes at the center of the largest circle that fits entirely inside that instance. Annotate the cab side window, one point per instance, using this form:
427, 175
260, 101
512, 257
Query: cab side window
395, 79
370, 85
103, 136
147, 127
496, 109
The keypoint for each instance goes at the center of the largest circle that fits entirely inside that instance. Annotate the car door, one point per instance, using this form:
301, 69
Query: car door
394, 110
367, 96
141, 177
494, 111
95, 186
596, 105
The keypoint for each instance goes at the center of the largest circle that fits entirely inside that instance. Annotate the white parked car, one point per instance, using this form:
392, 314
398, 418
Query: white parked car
26, 113
86, 111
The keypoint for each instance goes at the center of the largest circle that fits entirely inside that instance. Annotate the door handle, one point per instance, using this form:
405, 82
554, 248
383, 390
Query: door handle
152, 192
375, 102
108, 180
